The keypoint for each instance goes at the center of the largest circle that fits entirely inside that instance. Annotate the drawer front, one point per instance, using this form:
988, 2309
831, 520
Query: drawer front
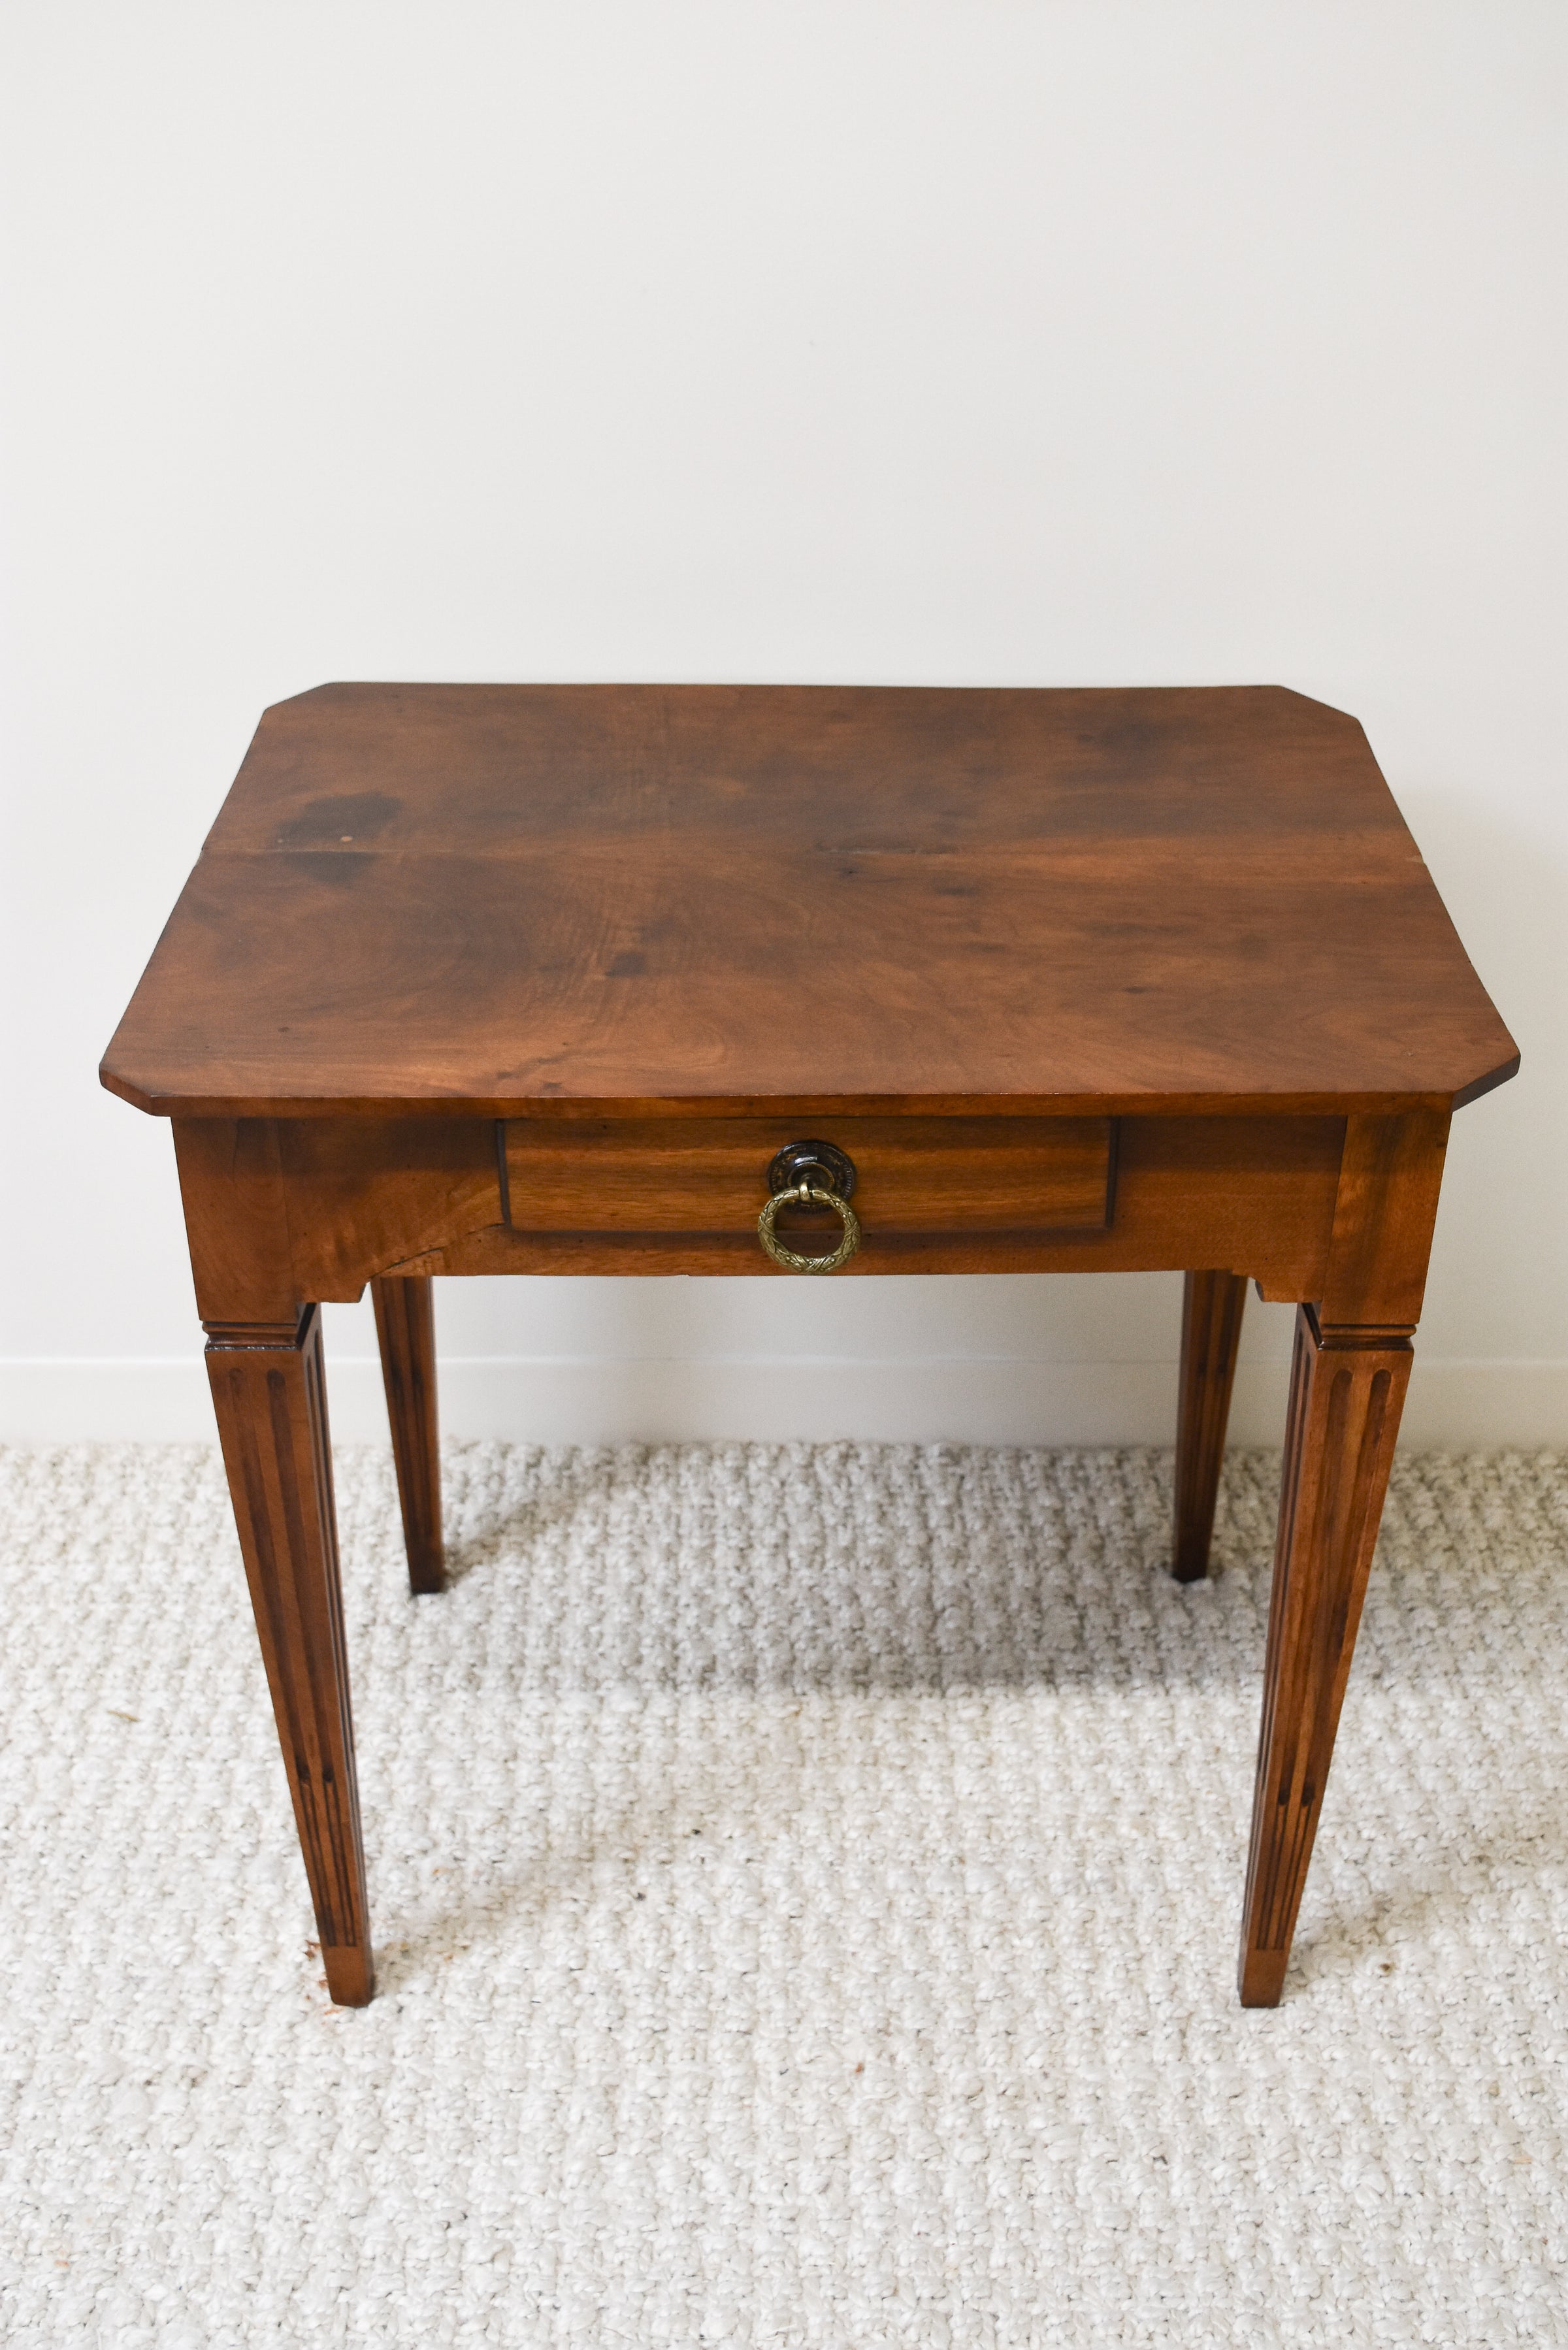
710, 1175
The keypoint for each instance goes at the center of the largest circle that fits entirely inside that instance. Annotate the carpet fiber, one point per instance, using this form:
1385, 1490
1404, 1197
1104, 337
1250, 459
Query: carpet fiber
806, 1884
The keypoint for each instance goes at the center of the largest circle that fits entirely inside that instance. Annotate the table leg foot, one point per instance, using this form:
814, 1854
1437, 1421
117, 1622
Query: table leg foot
1347, 1388
1211, 1333
405, 1326
350, 1977
271, 1402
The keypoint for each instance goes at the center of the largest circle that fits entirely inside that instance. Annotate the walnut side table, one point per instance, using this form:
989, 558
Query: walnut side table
655, 980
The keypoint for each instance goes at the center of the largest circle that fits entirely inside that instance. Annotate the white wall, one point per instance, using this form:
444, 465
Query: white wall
939, 341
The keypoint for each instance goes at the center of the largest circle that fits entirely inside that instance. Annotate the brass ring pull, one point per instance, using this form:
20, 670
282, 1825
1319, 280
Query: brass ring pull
791, 1261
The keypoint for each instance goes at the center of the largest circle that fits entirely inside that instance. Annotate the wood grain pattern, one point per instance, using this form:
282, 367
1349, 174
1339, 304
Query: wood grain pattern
280, 1210
498, 899
235, 1199
270, 1395
1346, 1396
1211, 1309
405, 1332
345, 1199
1384, 1216
684, 1175
1255, 1192
365, 1192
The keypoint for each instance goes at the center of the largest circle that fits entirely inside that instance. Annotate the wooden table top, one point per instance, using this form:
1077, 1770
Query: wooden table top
524, 901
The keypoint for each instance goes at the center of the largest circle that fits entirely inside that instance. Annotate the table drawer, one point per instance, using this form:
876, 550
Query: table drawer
710, 1175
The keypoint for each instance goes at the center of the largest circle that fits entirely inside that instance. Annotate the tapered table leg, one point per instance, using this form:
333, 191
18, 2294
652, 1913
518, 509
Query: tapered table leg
1212, 1308
405, 1326
271, 1402
1347, 1388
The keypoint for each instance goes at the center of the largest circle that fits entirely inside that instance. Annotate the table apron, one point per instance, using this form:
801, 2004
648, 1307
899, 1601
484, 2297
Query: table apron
282, 1211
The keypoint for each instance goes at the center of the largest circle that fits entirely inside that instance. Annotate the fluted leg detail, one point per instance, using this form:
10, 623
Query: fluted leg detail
1347, 1389
271, 1400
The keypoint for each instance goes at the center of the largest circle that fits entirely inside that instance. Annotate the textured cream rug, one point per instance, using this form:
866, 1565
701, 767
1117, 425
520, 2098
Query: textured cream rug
806, 1886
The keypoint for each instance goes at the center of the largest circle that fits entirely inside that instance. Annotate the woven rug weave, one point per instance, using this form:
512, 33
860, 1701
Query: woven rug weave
807, 1884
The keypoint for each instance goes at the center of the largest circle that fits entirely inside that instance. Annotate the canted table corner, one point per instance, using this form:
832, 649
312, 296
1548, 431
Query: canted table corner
597, 979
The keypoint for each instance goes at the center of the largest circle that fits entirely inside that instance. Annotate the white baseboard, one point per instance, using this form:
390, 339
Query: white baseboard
1460, 1405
